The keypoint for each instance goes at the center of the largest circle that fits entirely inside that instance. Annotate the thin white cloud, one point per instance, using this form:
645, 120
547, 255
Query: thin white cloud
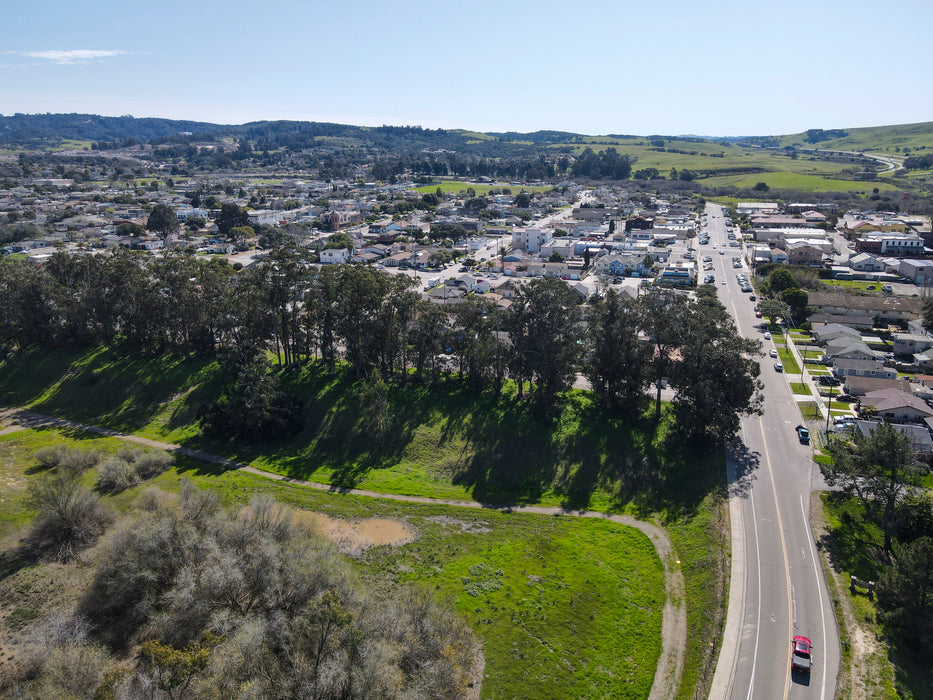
67, 58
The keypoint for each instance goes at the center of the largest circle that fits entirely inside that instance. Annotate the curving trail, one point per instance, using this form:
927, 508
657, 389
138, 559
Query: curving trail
674, 616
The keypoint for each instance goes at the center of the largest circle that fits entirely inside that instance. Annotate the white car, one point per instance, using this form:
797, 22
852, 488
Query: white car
778, 367
767, 336
773, 352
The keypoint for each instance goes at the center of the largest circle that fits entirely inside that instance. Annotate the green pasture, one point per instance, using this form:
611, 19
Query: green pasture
481, 189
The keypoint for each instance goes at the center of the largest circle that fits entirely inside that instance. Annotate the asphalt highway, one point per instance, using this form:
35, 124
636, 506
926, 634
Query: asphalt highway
777, 584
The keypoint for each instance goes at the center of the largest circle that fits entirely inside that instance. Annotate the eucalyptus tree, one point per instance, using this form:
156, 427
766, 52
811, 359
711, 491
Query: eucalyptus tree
546, 332
665, 315
615, 362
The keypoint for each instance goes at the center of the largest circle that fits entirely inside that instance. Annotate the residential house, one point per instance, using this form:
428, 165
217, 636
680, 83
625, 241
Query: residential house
334, 256
909, 343
621, 264
825, 332
849, 349
859, 386
893, 404
888, 309
863, 368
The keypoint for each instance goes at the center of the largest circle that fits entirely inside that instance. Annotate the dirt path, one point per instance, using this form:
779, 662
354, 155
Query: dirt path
674, 616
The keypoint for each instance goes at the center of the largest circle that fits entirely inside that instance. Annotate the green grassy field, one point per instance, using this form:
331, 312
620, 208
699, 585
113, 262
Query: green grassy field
881, 139
796, 181
447, 444
553, 599
801, 388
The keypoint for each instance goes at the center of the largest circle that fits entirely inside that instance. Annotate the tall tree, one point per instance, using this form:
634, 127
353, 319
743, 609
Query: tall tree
162, 220
715, 375
905, 597
616, 363
230, 217
544, 324
665, 314
879, 469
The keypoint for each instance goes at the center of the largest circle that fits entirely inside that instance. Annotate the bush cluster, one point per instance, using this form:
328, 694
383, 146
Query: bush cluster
129, 467
244, 604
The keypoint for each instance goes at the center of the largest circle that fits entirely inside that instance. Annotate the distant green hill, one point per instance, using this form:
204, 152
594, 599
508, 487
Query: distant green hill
874, 139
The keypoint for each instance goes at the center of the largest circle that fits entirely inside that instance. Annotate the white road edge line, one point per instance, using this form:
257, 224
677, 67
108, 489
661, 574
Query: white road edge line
816, 576
751, 685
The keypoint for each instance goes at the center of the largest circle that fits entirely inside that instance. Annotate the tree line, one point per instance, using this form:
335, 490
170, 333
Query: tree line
285, 309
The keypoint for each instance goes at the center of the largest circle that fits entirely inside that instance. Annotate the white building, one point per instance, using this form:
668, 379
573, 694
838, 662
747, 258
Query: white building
530, 239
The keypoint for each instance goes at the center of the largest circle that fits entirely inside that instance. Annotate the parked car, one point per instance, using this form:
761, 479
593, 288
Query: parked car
767, 335
773, 352
802, 660
778, 367
803, 435
828, 380
848, 397
757, 314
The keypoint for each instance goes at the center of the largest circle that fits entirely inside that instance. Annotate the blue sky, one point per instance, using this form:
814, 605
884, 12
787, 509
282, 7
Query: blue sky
723, 68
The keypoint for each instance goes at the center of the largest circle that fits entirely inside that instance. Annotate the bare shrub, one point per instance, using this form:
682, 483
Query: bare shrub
151, 464
70, 517
67, 458
49, 457
74, 671
116, 476
78, 461
152, 499
290, 620
129, 453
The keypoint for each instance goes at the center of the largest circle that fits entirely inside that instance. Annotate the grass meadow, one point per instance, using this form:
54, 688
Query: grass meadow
447, 443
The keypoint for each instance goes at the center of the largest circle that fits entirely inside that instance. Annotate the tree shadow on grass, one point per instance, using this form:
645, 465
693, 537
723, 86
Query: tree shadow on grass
852, 543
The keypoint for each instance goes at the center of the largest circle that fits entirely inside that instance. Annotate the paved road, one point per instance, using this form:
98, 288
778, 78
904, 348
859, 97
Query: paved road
777, 586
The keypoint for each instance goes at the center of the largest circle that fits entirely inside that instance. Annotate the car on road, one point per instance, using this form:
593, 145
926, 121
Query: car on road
773, 352
886, 288
778, 367
752, 297
767, 335
802, 657
803, 435
757, 314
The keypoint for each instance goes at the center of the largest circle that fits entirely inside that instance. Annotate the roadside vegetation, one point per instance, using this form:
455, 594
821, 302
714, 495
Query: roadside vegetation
879, 522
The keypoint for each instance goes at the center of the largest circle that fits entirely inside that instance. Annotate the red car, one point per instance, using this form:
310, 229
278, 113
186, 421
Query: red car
801, 660
757, 314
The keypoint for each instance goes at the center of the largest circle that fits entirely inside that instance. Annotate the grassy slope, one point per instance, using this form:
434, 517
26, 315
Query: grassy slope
554, 599
854, 546
875, 139
445, 443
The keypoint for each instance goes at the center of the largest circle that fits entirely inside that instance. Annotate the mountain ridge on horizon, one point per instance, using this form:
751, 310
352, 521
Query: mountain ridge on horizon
94, 127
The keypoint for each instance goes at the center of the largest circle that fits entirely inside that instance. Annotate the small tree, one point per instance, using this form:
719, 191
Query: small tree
905, 597
879, 470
